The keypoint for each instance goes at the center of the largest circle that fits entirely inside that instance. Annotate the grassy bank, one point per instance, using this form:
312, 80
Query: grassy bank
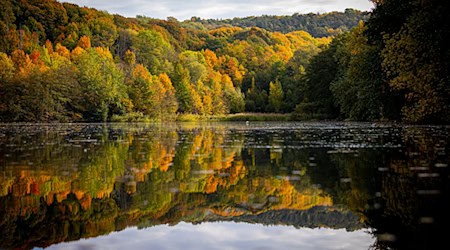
235, 117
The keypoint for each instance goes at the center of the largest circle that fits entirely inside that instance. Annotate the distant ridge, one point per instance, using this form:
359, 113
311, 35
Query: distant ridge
318, 25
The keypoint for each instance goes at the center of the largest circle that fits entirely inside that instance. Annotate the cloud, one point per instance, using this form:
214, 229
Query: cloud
225, 235
184, 9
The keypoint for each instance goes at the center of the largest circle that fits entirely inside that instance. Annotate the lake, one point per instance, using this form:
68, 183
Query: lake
224, 186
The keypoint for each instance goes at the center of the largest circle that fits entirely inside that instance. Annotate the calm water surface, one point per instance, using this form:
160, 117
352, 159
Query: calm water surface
224, 186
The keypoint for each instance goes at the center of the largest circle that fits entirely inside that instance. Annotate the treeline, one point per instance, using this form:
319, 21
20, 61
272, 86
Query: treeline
395, 66
318, 25
61, 62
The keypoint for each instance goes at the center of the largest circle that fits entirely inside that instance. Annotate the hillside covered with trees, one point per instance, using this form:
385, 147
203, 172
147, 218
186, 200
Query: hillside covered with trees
318, 25
62, 62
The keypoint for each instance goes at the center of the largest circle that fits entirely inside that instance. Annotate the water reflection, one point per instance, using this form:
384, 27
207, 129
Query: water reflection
71, 181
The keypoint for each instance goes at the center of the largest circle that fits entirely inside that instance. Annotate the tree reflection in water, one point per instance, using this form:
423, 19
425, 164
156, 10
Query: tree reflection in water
66, 182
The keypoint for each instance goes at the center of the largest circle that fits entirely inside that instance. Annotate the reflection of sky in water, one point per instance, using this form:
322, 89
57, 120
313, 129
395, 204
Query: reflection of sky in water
226, 235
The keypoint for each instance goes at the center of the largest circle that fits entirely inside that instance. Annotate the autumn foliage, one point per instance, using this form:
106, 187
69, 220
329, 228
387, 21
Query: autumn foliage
61, 62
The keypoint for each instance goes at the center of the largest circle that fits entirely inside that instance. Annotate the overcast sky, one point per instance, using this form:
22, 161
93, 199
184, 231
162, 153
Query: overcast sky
185, 9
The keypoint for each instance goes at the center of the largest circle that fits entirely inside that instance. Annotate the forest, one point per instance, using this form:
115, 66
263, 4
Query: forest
63, 63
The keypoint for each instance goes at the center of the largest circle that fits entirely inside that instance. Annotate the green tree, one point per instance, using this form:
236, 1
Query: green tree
181, 82
234, 98
141, 90
195, 63
358, 88
323, 69
293, 79
104, 32
275, 96
102, 85
153, 51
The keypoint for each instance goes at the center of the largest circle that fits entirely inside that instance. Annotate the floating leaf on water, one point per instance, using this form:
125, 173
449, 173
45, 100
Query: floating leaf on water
426, 220
428, 175
297, 172
418, 168
346, 180
387, 237
200, 172
428, 192
290, 178
83, 140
